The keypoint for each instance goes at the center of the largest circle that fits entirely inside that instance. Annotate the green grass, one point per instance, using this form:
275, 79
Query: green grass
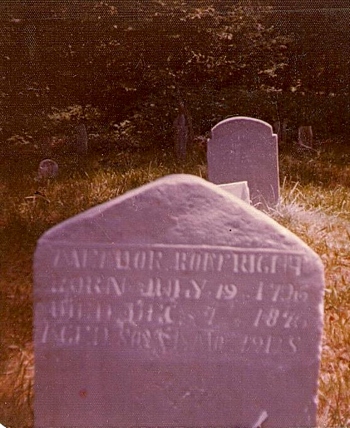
315, 205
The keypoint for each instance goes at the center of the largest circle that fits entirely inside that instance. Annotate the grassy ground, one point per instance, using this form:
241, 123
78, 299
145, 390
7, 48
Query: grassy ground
315, 205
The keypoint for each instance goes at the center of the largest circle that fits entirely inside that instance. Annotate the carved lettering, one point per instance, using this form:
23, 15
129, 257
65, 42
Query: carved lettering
197, 289
184, 299
89, 284
272, 317
69, 334
158, 287
280, 293
199, 262
226, 292
270, 344
121, 259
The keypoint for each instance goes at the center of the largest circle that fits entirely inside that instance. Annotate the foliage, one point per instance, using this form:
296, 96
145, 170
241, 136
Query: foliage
113, 61
114, 55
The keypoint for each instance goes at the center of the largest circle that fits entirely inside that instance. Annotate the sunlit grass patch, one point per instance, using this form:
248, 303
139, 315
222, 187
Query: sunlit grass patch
321, 217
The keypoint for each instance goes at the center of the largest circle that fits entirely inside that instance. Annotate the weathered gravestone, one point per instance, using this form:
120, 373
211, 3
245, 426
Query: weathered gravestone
176, 305
245, 149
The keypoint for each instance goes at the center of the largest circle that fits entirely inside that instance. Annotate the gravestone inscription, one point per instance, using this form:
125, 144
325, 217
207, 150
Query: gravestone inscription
176, 305
245, 149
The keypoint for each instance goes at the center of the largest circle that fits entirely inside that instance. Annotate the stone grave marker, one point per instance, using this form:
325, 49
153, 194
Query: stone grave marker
81, 139
245, 149
48, 168
176, 305
183, 132
239, 189
280, 128
305, 136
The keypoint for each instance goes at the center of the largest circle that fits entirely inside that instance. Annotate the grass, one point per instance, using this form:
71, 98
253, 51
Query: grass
315, 205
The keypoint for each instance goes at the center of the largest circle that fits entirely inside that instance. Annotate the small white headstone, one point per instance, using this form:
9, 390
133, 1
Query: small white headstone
176, 305
240, 190
245, 149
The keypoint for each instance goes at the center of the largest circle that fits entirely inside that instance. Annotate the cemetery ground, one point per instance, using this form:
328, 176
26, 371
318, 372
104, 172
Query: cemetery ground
315, 205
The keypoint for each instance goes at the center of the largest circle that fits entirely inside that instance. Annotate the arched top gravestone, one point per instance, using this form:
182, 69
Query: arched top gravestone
245, 149
176, 305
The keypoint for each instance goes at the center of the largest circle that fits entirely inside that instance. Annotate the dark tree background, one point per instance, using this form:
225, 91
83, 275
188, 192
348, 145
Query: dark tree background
135, 60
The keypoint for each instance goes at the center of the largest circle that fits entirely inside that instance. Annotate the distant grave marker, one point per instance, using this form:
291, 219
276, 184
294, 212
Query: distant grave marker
183, 133
280, 128
48, 168
176, 305
81, 140
305, 137
245, 149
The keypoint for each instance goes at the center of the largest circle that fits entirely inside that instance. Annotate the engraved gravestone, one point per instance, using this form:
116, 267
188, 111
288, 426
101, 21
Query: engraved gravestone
176, 305
245, 149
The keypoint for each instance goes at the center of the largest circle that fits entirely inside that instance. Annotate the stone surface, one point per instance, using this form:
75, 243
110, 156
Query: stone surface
176, 305
239, 189
245, 149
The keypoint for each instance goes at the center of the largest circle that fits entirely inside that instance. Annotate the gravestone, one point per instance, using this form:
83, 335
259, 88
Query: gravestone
245, 149
176, 305
82, 140
305, 136
239, 189
183, 133
48, 168
281, 130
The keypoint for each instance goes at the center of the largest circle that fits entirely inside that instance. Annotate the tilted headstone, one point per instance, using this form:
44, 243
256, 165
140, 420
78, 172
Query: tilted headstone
305, 136
176, 305
48, 168
239, 189
245, 149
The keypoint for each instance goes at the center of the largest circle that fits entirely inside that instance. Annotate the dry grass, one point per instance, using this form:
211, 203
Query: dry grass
321, 217
317, 211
